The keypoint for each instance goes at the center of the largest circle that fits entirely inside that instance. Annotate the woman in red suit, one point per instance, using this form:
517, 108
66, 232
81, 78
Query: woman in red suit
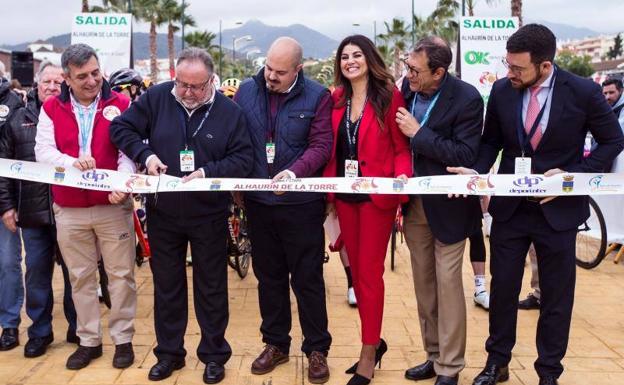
367, 143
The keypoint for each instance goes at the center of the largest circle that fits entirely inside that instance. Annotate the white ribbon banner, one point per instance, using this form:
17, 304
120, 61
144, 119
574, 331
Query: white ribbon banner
492, 184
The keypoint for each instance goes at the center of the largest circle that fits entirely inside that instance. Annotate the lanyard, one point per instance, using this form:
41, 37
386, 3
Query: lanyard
85, 125
272, 119
353, 139
523, 138
184, 124
429, 109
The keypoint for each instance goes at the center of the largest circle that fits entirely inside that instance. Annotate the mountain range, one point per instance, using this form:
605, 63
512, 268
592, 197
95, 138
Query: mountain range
315, 44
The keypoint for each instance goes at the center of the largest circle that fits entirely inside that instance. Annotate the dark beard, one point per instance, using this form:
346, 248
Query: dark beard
532, 83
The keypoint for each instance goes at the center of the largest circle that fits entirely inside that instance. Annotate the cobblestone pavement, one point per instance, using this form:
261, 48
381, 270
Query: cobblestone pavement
595, 354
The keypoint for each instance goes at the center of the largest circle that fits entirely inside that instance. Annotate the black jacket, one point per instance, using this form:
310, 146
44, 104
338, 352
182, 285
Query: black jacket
449, 138
222, 147
9, 102
577, 107
17, 141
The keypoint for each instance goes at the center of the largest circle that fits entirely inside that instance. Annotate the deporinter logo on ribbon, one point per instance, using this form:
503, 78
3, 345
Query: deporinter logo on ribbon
526, 185
93, 179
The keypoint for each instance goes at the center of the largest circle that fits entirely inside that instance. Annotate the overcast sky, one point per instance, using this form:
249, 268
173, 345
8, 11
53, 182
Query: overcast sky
27, 20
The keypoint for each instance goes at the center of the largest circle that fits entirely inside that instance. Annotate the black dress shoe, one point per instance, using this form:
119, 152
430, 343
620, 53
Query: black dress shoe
421, 372
530, 303
491, 375
37, 346
446, 380
124, 356
72, 338
548, 381
214, 373
163, 369
9, 339
83, 356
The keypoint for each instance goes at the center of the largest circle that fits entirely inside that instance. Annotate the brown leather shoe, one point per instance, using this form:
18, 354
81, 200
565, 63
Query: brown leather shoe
270, 357
318, 371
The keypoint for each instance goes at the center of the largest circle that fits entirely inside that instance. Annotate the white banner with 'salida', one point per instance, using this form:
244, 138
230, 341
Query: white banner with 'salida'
483, 48
493, 184
109, 34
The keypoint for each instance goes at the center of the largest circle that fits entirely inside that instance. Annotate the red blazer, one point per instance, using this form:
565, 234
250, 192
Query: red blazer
380, 153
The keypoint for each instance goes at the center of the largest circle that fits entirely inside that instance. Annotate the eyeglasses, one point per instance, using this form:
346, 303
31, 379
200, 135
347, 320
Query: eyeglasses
411, 70
516, 70
194, 88
49, 83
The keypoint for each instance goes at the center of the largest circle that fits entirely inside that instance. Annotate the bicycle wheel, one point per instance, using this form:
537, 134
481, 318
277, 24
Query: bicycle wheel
591, 238
243, 259
243, 256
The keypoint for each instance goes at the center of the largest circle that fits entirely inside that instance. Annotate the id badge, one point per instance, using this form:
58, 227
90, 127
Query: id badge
523, 166
270, 152
351, 168
187, 161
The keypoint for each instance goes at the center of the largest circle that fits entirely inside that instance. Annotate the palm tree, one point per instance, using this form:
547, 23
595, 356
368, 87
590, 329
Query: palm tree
202, 39
172, 14
441, 22
516, 10
395, 39
470, 5
149, 11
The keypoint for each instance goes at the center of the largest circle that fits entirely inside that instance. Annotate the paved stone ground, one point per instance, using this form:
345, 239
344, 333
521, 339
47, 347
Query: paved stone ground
595, 353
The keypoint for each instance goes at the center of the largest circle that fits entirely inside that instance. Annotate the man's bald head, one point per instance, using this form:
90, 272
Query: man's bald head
287, 47
283, 63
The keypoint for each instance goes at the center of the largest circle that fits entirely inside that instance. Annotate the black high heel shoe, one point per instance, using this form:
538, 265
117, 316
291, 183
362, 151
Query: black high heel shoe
359, 380
379, 352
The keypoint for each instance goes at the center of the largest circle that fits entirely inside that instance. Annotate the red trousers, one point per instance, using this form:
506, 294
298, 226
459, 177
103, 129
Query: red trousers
365, 230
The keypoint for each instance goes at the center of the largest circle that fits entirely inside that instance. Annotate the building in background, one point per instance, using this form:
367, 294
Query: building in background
595, 47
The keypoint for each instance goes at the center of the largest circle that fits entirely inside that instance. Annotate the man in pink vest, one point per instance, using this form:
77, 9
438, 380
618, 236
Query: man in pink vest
73, 132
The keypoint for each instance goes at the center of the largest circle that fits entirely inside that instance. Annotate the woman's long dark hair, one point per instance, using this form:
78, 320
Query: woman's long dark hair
380, 81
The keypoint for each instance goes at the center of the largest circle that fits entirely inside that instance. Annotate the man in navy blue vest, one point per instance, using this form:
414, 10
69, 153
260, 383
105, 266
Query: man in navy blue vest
289, 120
539, 116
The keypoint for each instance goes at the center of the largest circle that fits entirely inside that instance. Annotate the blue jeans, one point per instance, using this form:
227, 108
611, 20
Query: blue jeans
11, 285
40, 246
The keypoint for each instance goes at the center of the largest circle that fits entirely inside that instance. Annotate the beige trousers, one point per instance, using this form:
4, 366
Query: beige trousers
81, 234
437, 270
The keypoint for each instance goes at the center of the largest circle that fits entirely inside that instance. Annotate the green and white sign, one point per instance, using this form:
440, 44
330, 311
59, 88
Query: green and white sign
108, 33
483, 41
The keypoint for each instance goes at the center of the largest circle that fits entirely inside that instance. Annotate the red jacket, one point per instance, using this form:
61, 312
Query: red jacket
380, 153
66, 130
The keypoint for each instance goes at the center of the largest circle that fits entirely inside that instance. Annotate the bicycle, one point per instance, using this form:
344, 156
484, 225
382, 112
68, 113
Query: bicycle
238, 243
397, 227
591, 239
